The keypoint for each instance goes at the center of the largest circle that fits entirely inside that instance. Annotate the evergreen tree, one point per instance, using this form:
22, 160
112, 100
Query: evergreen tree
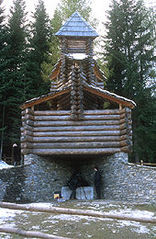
68, 7
3, 52
129, 51
12, 75
37, 53
54, 49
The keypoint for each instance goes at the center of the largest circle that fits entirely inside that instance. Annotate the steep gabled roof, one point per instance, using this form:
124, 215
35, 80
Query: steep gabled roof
77, 26
92, 89
105, 94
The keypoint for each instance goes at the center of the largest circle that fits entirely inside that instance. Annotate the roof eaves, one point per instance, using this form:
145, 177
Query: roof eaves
112, 96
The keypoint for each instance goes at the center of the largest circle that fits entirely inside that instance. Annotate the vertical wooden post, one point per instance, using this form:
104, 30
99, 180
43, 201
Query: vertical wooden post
120, 106
64, 51
76, 94
89, 51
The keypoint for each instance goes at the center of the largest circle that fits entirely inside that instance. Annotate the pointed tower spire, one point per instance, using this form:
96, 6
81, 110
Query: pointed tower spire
76, 26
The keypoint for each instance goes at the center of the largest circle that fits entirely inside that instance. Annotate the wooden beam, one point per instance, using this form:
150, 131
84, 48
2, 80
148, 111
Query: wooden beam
42, 99
109, 97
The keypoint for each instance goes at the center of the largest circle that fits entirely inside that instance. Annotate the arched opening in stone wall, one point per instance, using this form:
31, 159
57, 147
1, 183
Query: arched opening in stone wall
52, 173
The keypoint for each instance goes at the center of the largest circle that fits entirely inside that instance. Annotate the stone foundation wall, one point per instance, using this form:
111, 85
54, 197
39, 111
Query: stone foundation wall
40, 177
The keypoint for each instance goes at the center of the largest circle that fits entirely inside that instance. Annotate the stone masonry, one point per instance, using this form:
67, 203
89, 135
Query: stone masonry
40, 177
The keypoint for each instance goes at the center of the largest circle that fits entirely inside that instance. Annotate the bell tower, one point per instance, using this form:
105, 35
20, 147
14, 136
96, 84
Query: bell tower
76, 37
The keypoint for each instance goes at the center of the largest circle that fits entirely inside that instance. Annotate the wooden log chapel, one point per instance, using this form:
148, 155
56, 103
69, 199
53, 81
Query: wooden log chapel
78, 116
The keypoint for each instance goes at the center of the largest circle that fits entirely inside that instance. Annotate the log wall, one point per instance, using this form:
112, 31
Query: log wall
54, 132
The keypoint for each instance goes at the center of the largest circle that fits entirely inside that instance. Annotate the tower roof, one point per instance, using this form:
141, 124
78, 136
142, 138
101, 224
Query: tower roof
76, 26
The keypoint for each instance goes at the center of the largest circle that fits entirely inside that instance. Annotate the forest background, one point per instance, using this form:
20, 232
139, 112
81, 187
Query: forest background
125, 52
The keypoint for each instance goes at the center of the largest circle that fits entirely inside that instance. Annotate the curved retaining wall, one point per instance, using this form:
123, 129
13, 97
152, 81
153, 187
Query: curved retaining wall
40, 177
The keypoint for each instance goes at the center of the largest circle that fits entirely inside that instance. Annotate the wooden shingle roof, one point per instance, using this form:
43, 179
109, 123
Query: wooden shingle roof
76, 26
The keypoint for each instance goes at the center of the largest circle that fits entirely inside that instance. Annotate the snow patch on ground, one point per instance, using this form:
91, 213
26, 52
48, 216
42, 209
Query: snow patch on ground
4, 165
77, 218
8, 218
133, 213
135, 226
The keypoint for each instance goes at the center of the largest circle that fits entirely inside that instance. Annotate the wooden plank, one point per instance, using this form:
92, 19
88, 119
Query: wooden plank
73, 151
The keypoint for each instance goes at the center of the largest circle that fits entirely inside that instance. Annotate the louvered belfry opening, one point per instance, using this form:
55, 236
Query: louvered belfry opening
78, 116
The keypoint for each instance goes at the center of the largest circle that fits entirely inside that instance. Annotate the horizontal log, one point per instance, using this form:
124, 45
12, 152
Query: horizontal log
29, 111
82, 212
27, 132
69, 123
83, 128
86, 117
27, 127
26, 151
126, 149
86, 112
123, 126
69, 139
29, 122
26, 145
27, 117
74, 151
123, 132
73, 128
123, 115
73, 145
105, 132
26, 138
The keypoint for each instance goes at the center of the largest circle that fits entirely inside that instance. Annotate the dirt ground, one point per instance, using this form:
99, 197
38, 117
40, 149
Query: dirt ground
83, 227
